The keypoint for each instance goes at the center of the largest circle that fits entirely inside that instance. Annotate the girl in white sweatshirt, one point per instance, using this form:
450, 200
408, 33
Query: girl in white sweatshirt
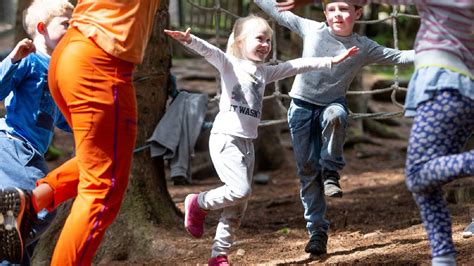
243, 79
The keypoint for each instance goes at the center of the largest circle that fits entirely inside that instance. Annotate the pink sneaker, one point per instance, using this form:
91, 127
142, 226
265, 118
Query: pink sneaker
218, 261
194, 216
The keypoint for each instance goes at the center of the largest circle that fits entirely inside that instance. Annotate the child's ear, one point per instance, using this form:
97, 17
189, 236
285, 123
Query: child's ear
358, 12
41, 28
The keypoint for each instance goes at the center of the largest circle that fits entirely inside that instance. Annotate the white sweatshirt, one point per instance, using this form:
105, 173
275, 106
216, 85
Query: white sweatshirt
243, 84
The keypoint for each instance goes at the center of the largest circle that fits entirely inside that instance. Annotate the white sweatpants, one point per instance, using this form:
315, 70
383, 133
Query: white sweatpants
233, 158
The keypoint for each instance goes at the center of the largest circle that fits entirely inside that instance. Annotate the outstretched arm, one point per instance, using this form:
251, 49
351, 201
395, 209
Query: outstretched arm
339, 58
305, 64
297, 24
180, 35
290, 4
378, 54
211, 53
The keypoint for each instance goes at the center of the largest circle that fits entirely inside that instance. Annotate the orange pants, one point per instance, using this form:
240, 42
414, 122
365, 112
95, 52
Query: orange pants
94, 91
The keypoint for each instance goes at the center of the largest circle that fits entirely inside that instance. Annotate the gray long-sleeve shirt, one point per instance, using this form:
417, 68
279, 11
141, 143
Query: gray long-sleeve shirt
327, 86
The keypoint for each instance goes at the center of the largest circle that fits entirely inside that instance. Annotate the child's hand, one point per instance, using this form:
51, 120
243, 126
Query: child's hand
180, 36
22, 50
285, 5
339, 58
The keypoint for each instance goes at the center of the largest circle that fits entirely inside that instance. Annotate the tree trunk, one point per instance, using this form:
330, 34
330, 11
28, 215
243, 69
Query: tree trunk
147, 202
20, 32
7, 14
269, 152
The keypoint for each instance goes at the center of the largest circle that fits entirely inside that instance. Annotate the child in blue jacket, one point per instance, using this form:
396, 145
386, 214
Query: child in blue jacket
26, 130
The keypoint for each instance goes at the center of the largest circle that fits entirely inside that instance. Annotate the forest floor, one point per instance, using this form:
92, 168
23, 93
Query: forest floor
376, 222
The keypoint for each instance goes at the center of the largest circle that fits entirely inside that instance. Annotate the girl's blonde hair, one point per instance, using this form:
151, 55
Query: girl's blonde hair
44, 11
241, 30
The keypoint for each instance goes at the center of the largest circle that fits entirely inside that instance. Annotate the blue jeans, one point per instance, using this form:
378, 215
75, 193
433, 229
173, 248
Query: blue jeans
21, 165
317, 134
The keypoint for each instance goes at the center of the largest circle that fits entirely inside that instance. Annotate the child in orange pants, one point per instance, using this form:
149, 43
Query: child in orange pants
90, 79
96, 96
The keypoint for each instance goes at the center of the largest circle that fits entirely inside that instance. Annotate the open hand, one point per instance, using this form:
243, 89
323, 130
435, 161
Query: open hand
285, 5
179, 35
339, 58
22, 50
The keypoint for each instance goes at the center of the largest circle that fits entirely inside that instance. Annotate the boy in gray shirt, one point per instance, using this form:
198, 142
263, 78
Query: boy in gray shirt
318, 113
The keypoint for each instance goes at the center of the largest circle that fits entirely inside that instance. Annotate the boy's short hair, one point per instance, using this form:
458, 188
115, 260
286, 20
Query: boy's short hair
326, 2
44, 11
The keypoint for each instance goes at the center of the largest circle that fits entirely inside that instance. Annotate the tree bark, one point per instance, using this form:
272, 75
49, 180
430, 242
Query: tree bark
7, 11
20, 32
147, 202
269, 151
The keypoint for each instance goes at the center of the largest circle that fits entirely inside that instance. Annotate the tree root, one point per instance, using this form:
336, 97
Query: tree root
354, 140
380, 130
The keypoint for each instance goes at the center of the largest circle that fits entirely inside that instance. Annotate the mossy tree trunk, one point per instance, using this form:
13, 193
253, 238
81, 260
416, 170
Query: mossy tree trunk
147, 204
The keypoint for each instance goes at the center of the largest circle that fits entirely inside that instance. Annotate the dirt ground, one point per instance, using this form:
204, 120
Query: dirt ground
376, 222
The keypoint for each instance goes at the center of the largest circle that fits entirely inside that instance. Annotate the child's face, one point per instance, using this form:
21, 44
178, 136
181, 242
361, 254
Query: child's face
341, 17
257, 44
55, 30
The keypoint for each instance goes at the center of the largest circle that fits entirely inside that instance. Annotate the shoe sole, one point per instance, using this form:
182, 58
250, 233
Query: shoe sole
11, 213
187, 202
337, 194
315, 252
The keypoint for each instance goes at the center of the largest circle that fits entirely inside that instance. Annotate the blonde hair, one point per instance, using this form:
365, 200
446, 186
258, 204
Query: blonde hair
240, 31
44, 11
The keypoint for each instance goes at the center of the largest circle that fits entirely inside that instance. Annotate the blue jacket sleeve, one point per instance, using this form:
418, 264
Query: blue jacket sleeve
10, 76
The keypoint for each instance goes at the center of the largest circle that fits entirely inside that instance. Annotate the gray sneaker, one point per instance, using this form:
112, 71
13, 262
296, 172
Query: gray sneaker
332, 188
